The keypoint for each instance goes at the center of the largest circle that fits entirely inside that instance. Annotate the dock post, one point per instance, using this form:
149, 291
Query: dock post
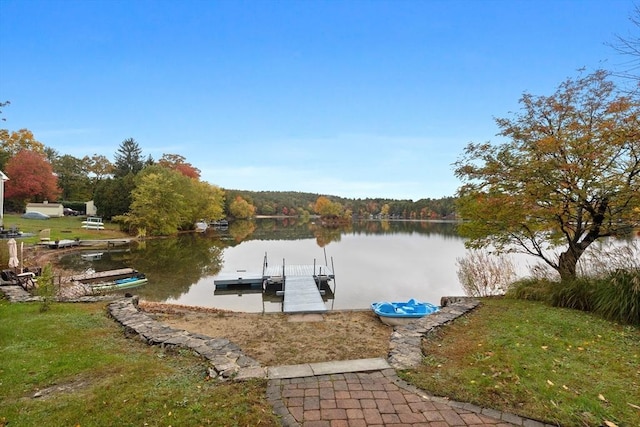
284, 279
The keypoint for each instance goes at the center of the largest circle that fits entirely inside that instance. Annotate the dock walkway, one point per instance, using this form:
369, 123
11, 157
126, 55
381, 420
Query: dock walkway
300, 286
301, 295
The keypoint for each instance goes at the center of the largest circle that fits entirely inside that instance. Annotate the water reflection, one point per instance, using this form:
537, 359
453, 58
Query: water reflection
373, 261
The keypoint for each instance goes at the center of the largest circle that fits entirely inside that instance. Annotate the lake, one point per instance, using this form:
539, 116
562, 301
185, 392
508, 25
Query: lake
372, 261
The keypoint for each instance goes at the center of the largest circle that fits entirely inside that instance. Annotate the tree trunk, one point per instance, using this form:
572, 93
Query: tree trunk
567, 263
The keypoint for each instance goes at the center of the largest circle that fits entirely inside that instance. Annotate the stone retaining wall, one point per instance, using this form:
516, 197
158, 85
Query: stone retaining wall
405, 346
226, 359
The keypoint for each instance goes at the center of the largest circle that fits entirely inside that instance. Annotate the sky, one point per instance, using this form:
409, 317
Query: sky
353, 98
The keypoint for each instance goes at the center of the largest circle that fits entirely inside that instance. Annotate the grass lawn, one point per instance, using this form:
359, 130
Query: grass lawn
556, 365
67, 227
85, 372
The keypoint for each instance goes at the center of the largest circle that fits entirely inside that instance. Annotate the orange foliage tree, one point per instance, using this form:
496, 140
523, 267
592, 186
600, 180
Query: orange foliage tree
177, 163
568, 175
31, 179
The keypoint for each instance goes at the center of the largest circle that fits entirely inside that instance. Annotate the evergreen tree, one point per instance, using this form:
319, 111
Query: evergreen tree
128, 159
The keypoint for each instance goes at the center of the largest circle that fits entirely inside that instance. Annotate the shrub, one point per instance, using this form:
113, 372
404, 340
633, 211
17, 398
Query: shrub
617, 297
576, 294
483, 274
531, 289
45, 288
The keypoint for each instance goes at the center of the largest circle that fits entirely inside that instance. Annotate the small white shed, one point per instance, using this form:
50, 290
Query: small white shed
90, 208
52, 209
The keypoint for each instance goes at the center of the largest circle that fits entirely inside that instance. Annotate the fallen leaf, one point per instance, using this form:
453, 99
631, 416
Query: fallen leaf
633, 406
565, 387
601, 397
610, 424
544, 347
549, 382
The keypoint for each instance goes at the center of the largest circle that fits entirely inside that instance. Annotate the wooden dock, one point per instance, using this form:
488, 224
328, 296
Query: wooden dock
300, 284
102, 275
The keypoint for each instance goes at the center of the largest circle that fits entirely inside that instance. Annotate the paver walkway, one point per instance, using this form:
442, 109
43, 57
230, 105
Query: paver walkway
375, 397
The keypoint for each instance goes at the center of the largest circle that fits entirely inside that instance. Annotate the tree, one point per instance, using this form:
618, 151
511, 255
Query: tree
99, 166
2, 105
165, 201
32, 179
112, 196
14, 142
326, 208
73, 178
568, 175
158, 202
128, 158
177, 162
630, 47
207, 201
241, 209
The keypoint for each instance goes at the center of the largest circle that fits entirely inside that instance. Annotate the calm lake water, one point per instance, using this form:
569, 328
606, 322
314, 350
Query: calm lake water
372, 261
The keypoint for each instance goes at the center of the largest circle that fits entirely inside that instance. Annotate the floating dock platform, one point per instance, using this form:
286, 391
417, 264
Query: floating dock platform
299, 284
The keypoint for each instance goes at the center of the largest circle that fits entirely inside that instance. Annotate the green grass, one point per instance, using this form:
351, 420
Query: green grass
557, 365
560, 366
99, 377
67, 227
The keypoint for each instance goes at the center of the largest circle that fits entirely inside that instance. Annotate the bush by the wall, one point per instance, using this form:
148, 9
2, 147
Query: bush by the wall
530, 289
617, 297
576, 294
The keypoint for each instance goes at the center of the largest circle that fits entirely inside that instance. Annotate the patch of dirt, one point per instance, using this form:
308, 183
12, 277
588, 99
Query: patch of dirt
61, 388
280, 339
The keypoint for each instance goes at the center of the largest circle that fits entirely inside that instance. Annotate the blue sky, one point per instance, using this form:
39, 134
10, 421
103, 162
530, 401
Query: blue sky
355, 98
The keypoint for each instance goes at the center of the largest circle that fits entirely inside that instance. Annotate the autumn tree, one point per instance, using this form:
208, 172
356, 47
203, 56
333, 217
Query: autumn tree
178, 163
11, 143
165, 201
326, 208
158, 202
207, 202
32, 179
99, 166
128, 158
241, 209
568, 175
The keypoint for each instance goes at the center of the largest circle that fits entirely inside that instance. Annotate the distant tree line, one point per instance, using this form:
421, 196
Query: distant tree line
166, 196
293, 203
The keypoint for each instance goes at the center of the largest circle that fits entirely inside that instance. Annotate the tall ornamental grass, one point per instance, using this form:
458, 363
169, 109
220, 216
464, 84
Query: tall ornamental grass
618, 298
614, 296
577, 294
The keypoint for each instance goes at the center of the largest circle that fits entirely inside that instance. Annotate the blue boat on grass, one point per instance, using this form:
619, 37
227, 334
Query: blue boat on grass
401, 313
